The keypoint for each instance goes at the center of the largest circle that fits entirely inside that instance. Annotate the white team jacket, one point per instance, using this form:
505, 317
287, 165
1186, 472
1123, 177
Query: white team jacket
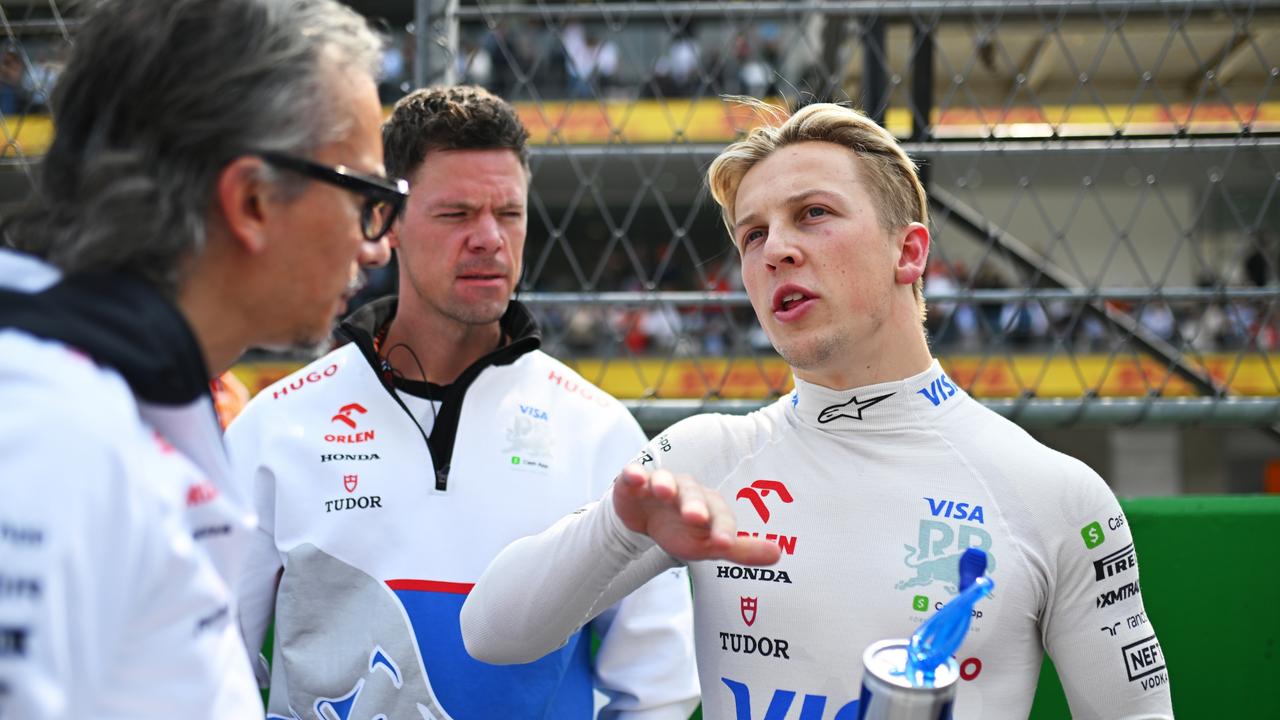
377, 559
116, 534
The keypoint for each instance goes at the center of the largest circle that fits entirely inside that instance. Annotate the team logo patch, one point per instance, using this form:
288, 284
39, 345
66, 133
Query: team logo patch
344, 414
951, 528
759, 490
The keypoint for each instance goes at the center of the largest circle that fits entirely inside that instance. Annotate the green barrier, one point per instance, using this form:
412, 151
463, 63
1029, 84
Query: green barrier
1210, 582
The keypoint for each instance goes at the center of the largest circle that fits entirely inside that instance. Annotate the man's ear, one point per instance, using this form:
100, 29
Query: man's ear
242, 197
393, 233
913, 253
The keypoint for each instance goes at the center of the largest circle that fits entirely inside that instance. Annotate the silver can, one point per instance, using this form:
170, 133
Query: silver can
887, 695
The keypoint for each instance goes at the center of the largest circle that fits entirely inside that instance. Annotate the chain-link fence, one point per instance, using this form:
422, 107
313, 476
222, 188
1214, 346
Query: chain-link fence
1103, 179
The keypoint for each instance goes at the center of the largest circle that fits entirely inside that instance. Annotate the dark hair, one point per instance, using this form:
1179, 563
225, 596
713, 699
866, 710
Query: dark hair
158, 96
459, 117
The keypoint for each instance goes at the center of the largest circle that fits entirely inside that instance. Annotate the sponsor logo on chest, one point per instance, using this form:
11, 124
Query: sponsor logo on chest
741, 643
738, 572
813, 706
350, 438
350, 483
347, 457
348, 421
764, 496
298, 383
530, 440
951, 527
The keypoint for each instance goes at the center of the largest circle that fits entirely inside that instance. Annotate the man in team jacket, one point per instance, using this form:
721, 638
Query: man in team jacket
388, 473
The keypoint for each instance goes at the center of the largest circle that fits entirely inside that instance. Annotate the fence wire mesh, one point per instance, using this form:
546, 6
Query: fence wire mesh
1103, 179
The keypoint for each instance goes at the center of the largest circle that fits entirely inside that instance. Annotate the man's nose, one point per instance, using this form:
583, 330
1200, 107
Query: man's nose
780, 249
374, 254
486, 235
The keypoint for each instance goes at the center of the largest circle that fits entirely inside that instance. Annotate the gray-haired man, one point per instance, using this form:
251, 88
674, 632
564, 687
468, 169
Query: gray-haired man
215, 183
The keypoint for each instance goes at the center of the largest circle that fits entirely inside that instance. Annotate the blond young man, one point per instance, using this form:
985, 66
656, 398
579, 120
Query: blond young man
860, 489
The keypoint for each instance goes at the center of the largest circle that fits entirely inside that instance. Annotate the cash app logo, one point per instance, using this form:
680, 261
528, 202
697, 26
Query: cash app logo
1092, 534
515, 460
920, 603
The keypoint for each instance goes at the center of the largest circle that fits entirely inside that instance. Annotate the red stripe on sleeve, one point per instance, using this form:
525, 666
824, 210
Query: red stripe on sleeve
431, 586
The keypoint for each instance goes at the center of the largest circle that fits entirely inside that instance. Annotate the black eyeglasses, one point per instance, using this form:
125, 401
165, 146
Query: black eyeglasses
384, 198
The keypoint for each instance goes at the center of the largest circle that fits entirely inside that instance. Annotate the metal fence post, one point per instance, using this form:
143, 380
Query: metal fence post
435, 42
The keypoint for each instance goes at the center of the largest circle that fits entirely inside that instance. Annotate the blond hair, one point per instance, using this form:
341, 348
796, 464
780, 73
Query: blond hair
890, 176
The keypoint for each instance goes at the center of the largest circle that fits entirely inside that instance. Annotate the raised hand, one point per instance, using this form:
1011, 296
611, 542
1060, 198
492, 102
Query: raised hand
686, 519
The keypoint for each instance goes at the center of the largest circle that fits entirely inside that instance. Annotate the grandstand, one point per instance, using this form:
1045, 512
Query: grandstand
1103, 177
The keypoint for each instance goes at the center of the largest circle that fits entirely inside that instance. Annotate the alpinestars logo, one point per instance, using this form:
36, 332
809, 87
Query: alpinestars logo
759, 490
852, 409
748, 607
344, 414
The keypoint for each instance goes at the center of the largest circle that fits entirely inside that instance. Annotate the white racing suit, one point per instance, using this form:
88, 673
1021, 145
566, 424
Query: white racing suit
872, 494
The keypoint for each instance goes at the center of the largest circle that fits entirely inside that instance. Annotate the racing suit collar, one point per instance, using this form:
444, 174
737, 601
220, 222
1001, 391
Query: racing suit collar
122, 322
890, 405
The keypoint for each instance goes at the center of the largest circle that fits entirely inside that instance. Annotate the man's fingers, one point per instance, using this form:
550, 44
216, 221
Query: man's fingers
634, 479
693, 501
662, 485
753, 551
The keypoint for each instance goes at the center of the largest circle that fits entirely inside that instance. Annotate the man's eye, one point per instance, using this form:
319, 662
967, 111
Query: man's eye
815, 211
752, 236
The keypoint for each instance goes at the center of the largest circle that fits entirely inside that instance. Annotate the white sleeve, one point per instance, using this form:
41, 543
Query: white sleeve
51, 640
645, 663
260, 572
1095, 627
543, 588
70, 533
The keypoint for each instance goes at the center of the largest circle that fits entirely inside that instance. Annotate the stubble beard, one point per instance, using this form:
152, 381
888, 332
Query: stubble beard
313, 343
476, 314
812, 353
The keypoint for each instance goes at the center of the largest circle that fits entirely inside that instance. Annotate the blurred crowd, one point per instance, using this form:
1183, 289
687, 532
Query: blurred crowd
522, 60
527, 60
1035, 325
27, 75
